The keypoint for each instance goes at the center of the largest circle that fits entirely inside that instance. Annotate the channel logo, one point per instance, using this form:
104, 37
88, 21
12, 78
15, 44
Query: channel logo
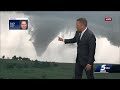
108, 19
108, 68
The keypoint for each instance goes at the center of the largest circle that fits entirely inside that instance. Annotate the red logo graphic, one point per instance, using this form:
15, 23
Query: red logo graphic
108, 19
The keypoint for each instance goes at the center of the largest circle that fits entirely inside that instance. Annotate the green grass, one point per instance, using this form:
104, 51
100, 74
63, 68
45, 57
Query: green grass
14, 69
37, 73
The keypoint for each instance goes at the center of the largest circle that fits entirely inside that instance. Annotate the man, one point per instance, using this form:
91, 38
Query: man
86, 45
23, 25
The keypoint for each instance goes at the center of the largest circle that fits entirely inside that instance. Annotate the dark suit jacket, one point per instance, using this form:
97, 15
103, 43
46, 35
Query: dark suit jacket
85, 47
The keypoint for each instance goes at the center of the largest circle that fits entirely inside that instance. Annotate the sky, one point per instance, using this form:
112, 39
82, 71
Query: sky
48, 24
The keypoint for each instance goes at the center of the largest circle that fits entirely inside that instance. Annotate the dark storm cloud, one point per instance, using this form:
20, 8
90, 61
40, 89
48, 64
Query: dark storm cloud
47, 25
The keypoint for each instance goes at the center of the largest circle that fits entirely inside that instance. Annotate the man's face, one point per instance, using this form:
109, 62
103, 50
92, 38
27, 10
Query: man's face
23, 25
79, 26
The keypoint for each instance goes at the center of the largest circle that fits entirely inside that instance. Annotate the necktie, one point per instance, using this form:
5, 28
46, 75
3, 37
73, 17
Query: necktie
79, 36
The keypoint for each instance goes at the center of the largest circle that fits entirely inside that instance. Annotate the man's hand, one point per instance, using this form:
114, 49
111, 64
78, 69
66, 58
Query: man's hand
88, 67
60, 39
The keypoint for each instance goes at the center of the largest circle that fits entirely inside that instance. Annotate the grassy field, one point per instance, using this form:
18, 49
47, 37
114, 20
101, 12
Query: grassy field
19, 69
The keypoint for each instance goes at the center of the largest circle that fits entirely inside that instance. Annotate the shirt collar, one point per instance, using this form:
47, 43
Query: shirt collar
84, 30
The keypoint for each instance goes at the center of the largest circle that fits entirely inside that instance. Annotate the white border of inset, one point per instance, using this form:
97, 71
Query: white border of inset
18, 19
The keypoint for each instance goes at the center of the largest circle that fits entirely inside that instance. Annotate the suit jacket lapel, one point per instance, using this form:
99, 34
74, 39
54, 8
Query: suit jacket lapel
84, 34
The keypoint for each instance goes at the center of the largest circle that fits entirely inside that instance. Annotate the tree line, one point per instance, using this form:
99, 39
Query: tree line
23, 62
